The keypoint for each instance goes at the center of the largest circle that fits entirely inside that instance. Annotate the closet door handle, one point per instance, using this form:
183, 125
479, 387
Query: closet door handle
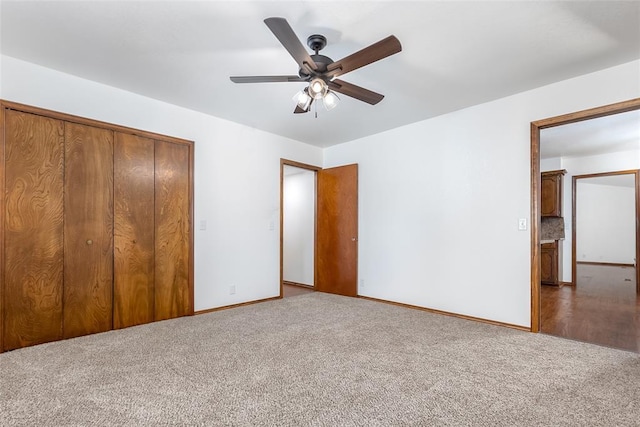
89, 242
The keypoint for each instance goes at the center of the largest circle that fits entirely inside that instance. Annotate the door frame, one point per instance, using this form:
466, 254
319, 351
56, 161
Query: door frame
536, 126
574, 253
315, 169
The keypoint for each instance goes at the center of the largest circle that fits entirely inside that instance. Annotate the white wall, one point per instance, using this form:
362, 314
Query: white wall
237, 175
299, 225
605, 223
552, 164
440, 199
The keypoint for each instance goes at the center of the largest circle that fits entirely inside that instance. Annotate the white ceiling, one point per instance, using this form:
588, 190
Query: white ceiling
455, 53
608, 134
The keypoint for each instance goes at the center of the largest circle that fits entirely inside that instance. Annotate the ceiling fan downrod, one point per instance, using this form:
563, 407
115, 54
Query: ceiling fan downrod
316, 42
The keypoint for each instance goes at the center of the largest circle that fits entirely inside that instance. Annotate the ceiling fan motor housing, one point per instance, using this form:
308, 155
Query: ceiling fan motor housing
316, 42
321, 62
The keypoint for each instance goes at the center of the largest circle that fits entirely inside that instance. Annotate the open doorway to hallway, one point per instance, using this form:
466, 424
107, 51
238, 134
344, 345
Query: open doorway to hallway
295, 290
298, 230
597, 294
602, 303
332, 249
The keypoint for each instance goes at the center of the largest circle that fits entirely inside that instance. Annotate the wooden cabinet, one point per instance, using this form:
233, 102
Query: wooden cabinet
95, 228
551, 193
550, 206
549, 263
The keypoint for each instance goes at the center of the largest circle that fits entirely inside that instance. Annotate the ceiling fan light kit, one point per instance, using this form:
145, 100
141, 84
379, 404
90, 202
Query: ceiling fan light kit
303, 100
330, 100
320, 71
317, 88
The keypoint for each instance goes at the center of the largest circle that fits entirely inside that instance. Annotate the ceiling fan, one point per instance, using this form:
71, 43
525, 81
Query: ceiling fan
320, 71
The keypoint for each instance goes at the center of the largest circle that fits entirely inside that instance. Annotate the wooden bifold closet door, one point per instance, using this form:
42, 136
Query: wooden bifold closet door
33, 230
133, 286
95, 226
173, 297
88, 230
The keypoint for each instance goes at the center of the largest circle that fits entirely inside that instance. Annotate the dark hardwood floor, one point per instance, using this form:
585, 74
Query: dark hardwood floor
603, 308
295, 290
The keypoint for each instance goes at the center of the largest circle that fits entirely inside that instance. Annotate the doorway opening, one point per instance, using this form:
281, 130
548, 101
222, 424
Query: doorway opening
605, 210
602, 303
569, 291
334, 239
298, 228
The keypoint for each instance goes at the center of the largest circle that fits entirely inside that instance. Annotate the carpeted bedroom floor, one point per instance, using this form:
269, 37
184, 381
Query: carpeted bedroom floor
319, 360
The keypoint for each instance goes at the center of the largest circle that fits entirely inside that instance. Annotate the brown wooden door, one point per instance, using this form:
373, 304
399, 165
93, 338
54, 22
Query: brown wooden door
173, 293
33, 249
337, 231
133, 183
88, 230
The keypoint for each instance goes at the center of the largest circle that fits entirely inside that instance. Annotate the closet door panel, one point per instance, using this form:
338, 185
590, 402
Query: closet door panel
88, 230
134, 230
33, 248
172, 230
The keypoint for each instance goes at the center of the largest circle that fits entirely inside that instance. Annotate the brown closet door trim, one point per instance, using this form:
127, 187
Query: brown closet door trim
90, 122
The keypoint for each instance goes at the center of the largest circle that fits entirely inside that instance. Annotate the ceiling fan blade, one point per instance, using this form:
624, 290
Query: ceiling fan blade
354, 91
266, 79
375, 52
283, 32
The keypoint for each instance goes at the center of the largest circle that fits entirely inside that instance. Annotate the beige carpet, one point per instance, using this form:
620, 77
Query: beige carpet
319, 360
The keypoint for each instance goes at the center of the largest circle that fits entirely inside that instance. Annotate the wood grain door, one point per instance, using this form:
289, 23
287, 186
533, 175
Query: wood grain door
133, 183
33, 248
337, 231
88, 230
173, 293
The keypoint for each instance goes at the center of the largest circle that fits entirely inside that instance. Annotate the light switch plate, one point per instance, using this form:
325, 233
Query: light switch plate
522, 224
